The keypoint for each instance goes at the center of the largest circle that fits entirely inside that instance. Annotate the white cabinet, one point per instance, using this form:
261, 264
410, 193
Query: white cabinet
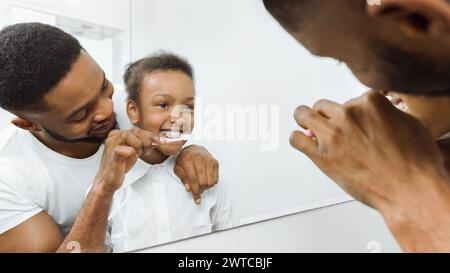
111, 13
101, 25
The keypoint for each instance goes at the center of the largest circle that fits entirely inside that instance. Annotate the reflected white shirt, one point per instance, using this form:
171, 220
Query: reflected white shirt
153, 207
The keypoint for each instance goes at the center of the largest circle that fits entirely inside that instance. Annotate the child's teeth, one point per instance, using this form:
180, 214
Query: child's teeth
171, 134
174, 134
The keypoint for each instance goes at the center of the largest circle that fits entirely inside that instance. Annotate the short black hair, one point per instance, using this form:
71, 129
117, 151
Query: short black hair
34, 58
160, 61
285, 11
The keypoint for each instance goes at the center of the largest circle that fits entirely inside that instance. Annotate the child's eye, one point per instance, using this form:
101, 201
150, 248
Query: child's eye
163, 105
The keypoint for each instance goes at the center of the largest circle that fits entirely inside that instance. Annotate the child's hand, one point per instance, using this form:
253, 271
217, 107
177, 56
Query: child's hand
122, 149
197, 169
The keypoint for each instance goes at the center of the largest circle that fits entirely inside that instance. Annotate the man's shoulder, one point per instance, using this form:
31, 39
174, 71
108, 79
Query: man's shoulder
7, 137
13, 141
16, 154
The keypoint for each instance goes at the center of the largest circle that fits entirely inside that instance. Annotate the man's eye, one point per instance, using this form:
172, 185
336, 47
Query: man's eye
190, 106
79, 119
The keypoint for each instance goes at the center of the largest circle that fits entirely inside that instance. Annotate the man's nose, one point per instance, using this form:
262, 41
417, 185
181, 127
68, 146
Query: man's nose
104, 111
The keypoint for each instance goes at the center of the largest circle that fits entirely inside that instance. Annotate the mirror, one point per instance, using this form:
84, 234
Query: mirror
250, 75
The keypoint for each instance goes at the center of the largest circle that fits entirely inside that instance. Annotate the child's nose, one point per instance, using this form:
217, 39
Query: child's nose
177, 114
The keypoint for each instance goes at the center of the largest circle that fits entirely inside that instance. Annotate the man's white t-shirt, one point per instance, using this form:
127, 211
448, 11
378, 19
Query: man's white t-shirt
34, 178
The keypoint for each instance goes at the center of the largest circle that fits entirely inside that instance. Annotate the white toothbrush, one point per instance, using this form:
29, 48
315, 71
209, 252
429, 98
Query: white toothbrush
181, 137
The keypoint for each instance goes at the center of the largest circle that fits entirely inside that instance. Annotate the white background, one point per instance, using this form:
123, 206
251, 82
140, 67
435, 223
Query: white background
241, 56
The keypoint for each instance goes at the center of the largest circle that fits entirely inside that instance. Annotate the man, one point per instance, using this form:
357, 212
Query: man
64, 108
378, 154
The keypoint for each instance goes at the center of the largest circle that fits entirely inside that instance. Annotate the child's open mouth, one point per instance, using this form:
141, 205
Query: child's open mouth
171, 135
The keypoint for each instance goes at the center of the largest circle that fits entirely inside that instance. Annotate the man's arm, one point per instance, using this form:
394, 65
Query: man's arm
424, 224
122, 149
41, 234
37, 234
89, 230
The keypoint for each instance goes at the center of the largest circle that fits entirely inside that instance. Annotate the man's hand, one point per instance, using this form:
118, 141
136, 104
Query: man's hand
380, 155
197, 169
122, 149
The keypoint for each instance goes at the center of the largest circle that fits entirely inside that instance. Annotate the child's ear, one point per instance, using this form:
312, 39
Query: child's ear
25, 124
133, 112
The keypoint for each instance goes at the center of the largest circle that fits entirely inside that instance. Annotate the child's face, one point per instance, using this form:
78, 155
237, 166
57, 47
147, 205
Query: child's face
166, 107
434, 112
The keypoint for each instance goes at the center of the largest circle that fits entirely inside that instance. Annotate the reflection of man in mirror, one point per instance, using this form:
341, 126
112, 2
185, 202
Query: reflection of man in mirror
380, 155
53, 151
153, 206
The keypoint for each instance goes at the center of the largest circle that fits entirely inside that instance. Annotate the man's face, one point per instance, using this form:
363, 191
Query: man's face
81, 106
386, 52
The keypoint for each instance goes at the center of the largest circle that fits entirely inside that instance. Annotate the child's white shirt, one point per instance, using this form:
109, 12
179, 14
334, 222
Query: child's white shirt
153, 207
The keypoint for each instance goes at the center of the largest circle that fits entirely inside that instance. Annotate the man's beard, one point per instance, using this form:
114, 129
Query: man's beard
413, 74
85, 139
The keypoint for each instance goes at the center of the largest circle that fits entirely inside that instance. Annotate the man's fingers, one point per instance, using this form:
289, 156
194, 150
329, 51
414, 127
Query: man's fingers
146, 139
143, 137
303, 143
327, 108
216, 171
182, 175
192, 178
308, 118
154, 138
133, 141
209, 168
114, 133
196, 192
201, 174
124, 152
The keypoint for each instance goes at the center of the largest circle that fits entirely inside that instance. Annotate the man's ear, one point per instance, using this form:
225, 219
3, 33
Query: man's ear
25, 124
416, 17
133, 112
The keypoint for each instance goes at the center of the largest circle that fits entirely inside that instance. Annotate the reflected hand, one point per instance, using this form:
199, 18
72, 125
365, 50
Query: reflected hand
378, 154
122, 149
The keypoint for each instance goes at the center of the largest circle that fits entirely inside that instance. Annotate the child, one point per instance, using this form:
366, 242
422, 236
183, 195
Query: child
153, 207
